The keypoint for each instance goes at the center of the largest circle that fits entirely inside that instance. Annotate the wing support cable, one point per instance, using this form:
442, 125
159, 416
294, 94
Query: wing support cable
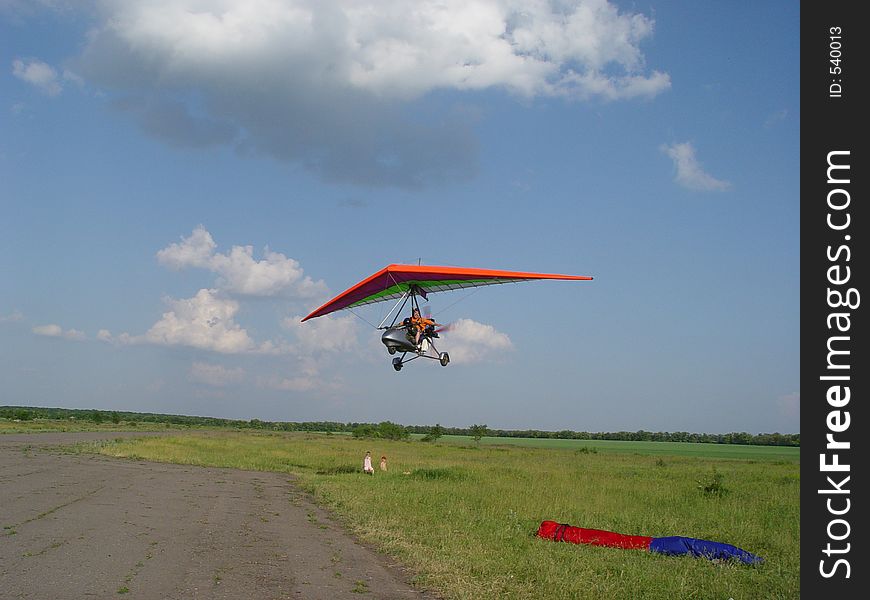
362, 318
401, 300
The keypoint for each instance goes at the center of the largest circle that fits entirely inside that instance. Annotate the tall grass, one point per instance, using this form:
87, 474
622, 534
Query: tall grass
463, 517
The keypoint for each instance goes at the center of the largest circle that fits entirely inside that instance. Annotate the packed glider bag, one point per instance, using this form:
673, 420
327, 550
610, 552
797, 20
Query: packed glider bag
672, 546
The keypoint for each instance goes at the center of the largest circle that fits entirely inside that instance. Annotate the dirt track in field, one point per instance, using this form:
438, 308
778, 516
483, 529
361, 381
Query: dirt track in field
87, 526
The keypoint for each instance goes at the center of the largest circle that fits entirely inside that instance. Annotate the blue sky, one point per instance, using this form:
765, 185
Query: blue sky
181, 181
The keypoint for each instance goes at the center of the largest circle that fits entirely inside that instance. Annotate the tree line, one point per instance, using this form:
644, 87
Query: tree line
389, 430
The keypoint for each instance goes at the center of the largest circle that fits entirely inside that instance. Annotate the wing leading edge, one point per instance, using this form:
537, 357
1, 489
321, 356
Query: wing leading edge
393, 281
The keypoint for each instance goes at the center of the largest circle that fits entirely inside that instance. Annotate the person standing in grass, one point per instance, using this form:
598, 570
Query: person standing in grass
383, 463
367, 464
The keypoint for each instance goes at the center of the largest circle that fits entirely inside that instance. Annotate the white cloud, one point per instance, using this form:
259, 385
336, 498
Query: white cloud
238, 271
204, 321
469, 341
322, 83
207, 320
329, 333
275, 272
195, 250
406, 49
215, 375
690, 174
39, 74
52, 330
391, 48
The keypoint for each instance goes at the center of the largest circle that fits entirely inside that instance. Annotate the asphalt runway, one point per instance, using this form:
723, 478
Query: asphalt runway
88, 526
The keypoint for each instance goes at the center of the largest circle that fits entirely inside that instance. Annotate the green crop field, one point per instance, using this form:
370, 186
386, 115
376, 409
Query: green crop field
790, 453
462, 515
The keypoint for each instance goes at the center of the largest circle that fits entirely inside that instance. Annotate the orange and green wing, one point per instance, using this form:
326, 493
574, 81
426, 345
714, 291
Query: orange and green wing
394, 281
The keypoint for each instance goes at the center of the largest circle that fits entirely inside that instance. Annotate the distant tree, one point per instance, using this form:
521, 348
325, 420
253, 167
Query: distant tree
434, 433
116, 418
364, 430
392, 431
478, 431
23, 415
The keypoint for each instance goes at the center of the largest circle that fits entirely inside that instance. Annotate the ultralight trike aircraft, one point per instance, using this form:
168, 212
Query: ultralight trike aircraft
415, 335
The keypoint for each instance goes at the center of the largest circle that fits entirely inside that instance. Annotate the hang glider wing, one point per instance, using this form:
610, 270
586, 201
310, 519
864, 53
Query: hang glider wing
393, 281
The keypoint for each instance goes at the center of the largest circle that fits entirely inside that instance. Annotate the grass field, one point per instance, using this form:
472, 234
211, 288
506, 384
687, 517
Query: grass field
462, 516
788, 453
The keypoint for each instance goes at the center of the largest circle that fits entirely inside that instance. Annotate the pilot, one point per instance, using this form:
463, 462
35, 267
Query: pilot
419, 323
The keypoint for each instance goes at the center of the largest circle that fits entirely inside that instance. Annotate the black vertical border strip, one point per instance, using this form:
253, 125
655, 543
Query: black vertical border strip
833, 124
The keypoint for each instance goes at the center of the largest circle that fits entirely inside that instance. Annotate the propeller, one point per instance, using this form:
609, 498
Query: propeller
426, 312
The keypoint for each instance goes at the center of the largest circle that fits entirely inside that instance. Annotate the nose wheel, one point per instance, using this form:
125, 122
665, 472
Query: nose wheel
444, 359
397, 363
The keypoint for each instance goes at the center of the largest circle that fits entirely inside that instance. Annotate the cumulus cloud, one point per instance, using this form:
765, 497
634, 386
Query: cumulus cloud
471, 341
238, 271
329, 333
325, 84
38, 74
195, 250
690, 174
215, 375
52, 330
204, 321
207, 320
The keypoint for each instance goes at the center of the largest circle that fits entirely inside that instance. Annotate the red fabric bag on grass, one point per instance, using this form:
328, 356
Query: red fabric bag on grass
561, 532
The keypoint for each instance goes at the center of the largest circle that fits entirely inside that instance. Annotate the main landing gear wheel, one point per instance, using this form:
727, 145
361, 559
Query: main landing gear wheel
391, 349
444, 358
397, 363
